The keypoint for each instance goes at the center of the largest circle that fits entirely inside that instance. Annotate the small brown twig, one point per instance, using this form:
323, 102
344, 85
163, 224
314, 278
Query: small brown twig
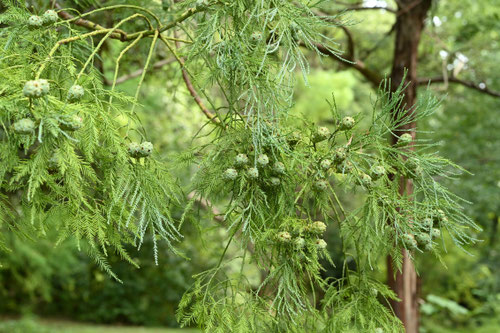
119, 34
189, 85
451, 79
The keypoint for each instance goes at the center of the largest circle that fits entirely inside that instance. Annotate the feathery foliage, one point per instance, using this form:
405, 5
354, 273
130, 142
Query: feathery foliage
277, 179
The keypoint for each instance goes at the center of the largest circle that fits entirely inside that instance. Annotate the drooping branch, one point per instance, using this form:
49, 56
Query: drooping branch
373, 77
350, 57
468, 84
120, 34
123, 36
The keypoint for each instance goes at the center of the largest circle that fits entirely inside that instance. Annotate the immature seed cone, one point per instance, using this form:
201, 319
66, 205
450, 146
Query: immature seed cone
321, 185
36, 88
320, 244
299, 243
253, 173
50, 16
274, 181
24, 126
325, 164
241, 160
71, 123
340, 154
317, 227
365, 180
263, 160
256, 37
440, 217
133, 149
145, 149
230, 174
35, 21
75, 93
405, 139
347, 123
427, 223
422, 238
284, 236
435, 233
377, 172
409, 241
322, 133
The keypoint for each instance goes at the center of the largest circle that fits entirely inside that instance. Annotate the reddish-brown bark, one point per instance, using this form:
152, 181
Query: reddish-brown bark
409, 26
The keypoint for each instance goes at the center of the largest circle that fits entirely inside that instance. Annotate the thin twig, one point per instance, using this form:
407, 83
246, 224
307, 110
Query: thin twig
188, 83
120, 34
390, 10
374, 77
217, 215
468, 84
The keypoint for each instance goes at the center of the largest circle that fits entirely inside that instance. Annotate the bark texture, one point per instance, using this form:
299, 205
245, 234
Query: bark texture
409, 25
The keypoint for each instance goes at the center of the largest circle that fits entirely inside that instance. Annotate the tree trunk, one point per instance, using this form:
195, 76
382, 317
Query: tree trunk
409, 26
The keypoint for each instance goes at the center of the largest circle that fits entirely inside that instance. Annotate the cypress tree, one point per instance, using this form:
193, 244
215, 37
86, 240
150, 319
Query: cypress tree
67, 156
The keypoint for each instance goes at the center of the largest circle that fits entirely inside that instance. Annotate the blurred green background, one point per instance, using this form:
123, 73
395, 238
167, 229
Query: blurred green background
460, 294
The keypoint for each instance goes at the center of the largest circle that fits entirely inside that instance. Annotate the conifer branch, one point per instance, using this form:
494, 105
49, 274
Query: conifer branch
101, 42
468, 84
65, 41
120, 34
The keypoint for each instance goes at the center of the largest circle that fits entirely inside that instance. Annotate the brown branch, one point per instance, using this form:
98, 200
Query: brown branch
358, 3
399, 12
123, 36
137, 73
390, 10
350, 58
197, 98
189, 84
468, 84
406, 9
372, 76
366, 53
119, 34
350, 44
